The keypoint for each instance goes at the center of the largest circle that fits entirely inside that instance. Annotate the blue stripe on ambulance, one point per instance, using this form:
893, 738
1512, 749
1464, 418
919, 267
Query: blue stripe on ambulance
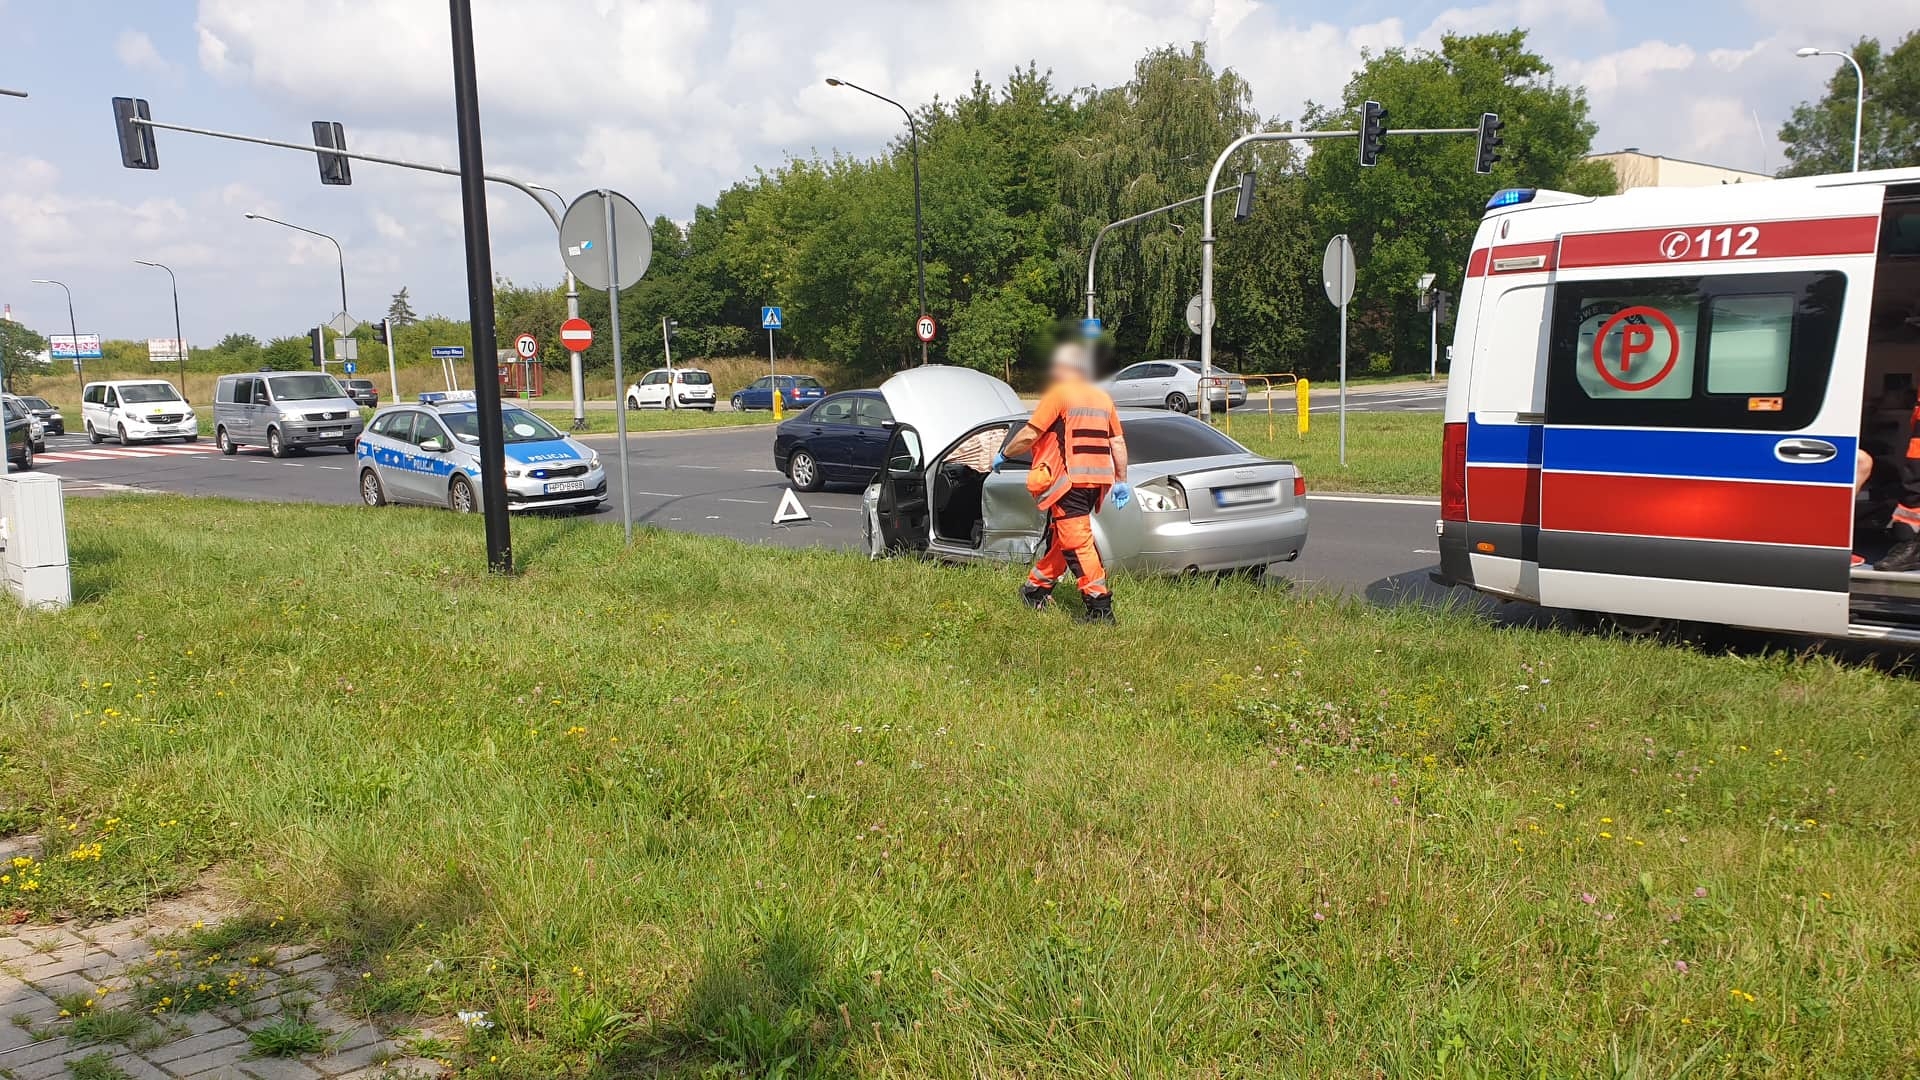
1714, 455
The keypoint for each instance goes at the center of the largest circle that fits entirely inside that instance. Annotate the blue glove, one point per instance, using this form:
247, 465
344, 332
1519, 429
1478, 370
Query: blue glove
999, 459
1121, 495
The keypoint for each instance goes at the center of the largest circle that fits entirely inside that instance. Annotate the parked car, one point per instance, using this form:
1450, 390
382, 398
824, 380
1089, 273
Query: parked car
796, 393
1202, 502
284, 411
679, 388
362, 392
37, 430
1171, 384
18, 425
137, 410
429, 454
840, 439
45, 412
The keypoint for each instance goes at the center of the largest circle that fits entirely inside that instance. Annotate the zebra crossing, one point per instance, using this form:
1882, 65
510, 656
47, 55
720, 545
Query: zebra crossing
84, 453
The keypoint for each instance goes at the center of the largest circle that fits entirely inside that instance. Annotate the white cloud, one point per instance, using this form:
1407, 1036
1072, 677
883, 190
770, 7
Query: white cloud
135, 50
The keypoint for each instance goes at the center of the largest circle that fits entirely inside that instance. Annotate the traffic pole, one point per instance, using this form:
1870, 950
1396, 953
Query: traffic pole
393, 369
486, 380
577, 366
773, 378
619, 369
1433, 343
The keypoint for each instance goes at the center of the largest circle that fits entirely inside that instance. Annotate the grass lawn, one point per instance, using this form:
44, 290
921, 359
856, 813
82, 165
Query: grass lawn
652, 823
1387, 452
603, 421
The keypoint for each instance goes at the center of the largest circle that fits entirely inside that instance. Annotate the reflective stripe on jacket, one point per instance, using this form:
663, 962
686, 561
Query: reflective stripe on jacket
1077, 425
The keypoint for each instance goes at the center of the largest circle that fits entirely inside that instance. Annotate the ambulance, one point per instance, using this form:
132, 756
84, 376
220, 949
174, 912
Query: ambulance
1658, 400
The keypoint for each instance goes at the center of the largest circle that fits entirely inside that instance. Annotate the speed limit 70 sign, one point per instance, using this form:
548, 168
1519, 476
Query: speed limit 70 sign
526, 346
926, 328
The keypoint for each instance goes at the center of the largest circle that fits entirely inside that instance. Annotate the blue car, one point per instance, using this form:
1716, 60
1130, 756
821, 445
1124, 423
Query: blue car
840, 439
796, 393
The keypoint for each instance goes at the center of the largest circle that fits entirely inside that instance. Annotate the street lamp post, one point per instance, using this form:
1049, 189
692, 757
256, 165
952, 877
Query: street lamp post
73, 325
1860, 92
179, 339
1093, 250
919, 228
315, 232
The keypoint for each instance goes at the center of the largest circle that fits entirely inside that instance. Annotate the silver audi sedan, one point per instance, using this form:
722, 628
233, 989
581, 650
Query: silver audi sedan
1202, 502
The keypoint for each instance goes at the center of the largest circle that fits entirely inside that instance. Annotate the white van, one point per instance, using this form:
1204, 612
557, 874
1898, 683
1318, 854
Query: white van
679, 388
137, 410
1657, 398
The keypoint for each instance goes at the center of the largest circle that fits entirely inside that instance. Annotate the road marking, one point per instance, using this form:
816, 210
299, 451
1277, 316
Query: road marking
1425, 551
745, 502
1383, 501
334, 468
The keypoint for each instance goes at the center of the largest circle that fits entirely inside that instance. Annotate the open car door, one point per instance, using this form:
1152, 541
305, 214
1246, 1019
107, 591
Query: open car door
900, 511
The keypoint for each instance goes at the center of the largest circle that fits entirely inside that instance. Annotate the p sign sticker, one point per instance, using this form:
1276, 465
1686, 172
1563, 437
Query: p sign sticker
1636, 348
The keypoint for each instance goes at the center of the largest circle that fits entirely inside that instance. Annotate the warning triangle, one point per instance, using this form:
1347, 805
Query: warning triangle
790, 510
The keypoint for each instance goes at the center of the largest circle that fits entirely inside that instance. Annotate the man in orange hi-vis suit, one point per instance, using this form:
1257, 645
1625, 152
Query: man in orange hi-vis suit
1079, 456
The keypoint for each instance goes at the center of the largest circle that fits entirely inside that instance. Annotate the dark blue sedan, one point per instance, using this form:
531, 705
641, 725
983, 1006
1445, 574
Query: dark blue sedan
840, 439
796, 391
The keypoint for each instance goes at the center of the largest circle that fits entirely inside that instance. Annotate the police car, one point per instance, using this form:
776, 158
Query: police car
428, 453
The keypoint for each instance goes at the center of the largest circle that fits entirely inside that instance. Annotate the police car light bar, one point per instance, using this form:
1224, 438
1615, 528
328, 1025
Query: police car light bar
443, 397
1511, 197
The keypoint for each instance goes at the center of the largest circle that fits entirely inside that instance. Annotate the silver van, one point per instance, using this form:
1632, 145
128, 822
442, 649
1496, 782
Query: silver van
283, 411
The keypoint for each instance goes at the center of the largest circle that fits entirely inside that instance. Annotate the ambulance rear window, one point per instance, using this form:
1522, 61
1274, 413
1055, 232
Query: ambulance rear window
1732, 350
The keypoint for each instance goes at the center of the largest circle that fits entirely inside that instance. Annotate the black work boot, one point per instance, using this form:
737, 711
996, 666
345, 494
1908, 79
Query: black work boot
1904, 556
1035, 597
1099, 609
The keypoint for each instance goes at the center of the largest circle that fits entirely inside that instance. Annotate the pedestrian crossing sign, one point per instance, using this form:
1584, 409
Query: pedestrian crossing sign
769, 318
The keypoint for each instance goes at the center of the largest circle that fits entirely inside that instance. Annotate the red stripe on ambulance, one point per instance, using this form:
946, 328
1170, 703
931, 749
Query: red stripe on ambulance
1503, 495
1731, 242
1815, 515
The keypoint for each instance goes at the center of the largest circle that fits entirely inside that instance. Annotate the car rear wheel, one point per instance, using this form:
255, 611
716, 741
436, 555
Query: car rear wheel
804, 471
274, 445
26, 457
1177, 402
225, 442
460, 496
371, 491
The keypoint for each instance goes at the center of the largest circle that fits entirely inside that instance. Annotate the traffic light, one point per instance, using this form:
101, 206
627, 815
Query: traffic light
1373, 132
1490, 142
1444, 302
318, 339
1244, 209
136, 140
673, 329
334, 169
381, 329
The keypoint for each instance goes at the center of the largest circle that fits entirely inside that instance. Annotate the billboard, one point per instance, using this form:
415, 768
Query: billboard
165, 350
63, 346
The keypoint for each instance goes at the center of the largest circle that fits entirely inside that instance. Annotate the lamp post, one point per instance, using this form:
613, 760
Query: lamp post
179, 339
1860, 92
315, 232
73, 325
919, 229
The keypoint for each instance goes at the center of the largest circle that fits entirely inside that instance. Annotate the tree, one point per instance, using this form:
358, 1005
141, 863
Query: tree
1819, 135
22, 352
400, 311
287, 354
1417, 210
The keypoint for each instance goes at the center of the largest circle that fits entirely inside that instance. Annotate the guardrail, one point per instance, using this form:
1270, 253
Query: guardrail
1268, 382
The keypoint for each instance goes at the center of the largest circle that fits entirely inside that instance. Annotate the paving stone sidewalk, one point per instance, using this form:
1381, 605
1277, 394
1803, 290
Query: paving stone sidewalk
43, 966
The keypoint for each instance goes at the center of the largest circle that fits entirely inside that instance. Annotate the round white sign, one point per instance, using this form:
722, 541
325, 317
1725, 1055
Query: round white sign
526, 346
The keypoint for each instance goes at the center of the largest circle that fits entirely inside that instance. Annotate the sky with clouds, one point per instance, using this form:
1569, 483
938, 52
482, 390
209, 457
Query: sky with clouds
669, 101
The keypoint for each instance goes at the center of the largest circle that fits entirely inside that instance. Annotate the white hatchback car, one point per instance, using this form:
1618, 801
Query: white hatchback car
137, 410
678, 388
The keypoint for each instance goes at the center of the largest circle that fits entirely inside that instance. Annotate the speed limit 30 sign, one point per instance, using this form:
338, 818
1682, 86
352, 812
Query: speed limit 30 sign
526, 347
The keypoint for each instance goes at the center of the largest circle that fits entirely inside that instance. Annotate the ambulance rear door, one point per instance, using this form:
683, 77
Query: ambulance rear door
1703, 399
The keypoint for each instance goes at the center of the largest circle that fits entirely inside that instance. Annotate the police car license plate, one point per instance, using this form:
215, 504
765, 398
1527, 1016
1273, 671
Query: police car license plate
1243, 496
559, 487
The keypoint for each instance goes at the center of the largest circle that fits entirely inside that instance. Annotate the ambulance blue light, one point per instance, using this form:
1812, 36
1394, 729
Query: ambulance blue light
1511, 197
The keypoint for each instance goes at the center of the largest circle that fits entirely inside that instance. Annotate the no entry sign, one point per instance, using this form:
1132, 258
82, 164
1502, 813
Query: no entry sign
526, 346
576, 335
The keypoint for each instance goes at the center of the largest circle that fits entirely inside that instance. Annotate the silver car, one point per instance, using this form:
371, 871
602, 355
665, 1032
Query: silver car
429, 454
1202, 502
1172, 384
284, 411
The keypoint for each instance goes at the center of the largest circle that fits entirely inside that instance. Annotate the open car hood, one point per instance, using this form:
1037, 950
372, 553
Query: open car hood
942, 402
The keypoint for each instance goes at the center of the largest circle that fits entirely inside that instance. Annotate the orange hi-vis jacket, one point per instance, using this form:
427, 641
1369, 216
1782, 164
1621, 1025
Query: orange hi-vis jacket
1077, 425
